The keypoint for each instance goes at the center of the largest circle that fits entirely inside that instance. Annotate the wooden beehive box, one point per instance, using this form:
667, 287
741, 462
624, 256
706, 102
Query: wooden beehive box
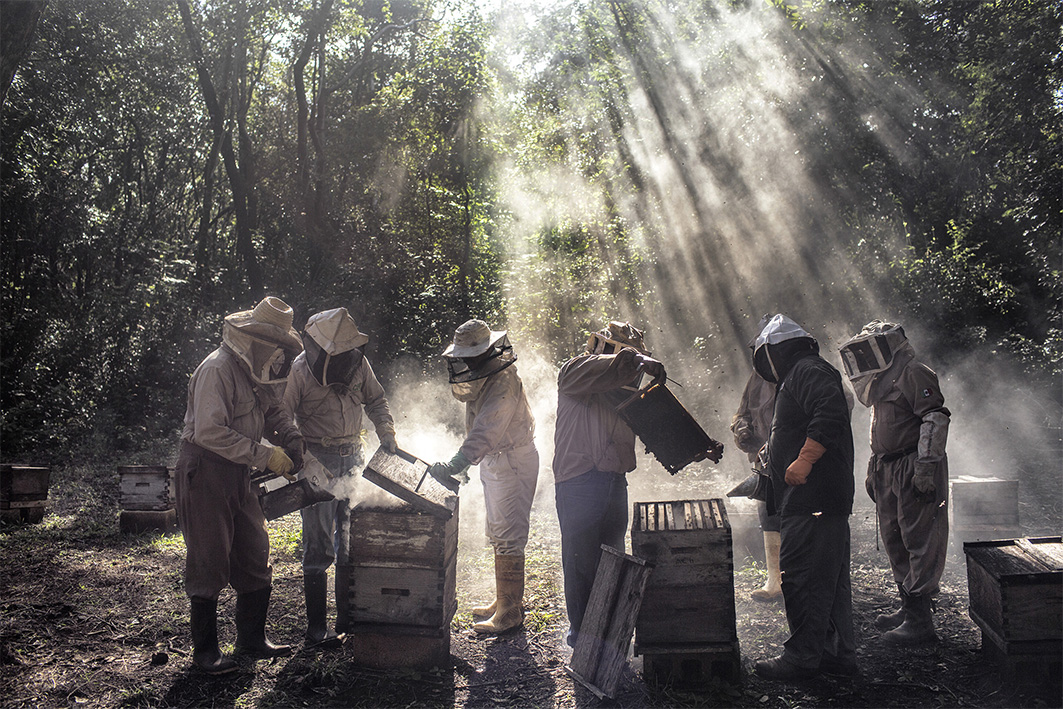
402, 570
23, 492
984, 508
145, 487
1016, 593
689, 599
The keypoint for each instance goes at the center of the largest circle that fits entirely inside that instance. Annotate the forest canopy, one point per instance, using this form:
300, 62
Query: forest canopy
687, 164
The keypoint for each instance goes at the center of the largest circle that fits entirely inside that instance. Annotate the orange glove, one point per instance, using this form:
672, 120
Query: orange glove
797, 472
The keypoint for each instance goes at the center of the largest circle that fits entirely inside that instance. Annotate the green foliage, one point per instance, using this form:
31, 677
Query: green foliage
426, 169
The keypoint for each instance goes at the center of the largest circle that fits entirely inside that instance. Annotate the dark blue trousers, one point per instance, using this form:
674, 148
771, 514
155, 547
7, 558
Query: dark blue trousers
592, 511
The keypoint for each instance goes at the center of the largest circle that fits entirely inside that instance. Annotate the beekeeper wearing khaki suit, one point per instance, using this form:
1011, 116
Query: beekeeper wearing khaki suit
908, 474
234, 399
330, 385
499, 437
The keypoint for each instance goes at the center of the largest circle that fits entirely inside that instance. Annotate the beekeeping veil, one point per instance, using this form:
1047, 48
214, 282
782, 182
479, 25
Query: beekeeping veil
780, 343
476, 353
614, 337
870, 353
264, 339
334, 347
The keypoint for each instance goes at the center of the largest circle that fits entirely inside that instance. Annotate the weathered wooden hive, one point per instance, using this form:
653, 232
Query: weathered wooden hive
396, 591
1016, 594
146, 498
984, 508
686, 628
23, 492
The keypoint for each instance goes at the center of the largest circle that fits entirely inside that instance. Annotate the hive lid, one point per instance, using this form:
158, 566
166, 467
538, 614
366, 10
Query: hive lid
406, 476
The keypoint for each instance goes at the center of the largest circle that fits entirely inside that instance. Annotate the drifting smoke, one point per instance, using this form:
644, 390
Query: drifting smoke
721, 136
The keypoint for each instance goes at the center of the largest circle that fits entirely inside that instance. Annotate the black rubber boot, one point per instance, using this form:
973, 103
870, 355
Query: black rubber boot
889, 621
251, 609
918, 625
205, 653
318, 636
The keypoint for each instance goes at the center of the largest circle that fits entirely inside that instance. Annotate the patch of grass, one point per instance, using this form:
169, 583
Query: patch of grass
286, 537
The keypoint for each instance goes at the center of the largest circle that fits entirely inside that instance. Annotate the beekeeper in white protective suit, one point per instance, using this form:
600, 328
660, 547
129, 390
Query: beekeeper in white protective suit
499, 437
907, 476
329, 386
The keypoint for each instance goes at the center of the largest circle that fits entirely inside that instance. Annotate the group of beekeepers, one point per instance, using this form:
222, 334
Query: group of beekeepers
268, 395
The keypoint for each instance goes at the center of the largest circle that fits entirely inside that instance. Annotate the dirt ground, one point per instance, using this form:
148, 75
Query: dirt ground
92, 617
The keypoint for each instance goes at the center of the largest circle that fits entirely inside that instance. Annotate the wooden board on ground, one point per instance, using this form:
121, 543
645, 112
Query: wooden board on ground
406, 476
601, 647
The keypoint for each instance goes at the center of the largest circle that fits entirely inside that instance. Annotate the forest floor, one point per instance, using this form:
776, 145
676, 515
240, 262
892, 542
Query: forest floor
96, 618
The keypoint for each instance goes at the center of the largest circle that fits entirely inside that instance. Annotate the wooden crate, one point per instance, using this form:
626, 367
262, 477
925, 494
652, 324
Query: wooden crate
1016, 594
984, 508
690, 595
401, 570
684, 666
602, 644
146, 487
389, 647
23, 492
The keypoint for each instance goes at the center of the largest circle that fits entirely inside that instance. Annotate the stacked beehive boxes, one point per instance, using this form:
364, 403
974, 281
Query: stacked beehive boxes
396, 593
686, 629
146, 498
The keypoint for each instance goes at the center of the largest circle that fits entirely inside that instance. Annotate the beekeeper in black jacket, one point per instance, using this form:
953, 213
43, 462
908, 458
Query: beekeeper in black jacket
810, 459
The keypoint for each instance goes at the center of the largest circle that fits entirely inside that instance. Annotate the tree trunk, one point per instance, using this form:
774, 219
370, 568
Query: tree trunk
18, 25
245, 247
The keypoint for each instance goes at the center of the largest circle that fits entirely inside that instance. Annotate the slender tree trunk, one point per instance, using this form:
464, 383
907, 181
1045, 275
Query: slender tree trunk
245, 247
18, 25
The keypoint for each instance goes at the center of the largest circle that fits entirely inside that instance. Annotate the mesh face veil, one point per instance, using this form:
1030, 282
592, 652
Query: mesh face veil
329, 369
269, 363
462, 370
872, 350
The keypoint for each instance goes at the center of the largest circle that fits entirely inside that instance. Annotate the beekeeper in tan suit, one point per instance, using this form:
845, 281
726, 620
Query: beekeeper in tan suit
908, 473
499, 437
330, 384
234, 399
593, 452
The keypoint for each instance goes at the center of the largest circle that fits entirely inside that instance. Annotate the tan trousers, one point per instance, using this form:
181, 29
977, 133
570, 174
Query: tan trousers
509, 481
222, 524
914, 532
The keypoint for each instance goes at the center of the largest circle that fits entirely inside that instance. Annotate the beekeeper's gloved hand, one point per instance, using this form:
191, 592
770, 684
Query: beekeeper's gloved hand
388, 443
280, 464
923, 481
455, 471
650, 366
797, 472
295, 450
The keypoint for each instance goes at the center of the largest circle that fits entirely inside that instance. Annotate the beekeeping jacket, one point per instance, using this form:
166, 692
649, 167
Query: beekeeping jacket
333, 413
228, 413
810, 402
497, 415
754, 413
589, 434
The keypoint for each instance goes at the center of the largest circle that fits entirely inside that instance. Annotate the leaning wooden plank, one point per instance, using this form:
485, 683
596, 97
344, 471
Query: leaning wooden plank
609, 621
